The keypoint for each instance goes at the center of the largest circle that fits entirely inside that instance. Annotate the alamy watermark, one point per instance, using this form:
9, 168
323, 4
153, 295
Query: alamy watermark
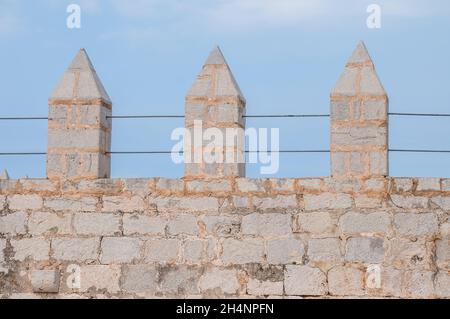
214, 145
374, 19
74, 19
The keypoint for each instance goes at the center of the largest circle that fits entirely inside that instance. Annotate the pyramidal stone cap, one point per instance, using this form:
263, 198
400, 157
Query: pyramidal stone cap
216, 79
359, 77
4, 175
80, 82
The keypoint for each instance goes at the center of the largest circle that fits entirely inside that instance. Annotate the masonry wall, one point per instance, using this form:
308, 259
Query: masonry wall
215, 233
138, 238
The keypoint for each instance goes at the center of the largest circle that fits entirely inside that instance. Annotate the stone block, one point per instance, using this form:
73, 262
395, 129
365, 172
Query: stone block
41, 223
359, 223
285, 251
327, 201
242, 251
84, 204
267, 224
217, 281
208, 186
222, 226
277, 202
325, 251
13, 224
183, 225
76, 249
123, 204
179, 280
442, 281
365, 250
45, 281
409, 224
37, 249
428, 184
99, 224
409, 201
315, 223
443, 253
24, 202
139, 279
419, 284
139, 224
101, 278
256, 287
305, 281
404, 254
162, 250
199, 251
346, 281
120, 250
247, 185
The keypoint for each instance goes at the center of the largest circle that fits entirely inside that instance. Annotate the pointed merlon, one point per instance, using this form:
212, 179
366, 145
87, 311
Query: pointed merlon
80, 82
359, 77
216, 79
4, 175
216, 57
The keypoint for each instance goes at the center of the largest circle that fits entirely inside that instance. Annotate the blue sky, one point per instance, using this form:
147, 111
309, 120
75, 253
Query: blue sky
285, 54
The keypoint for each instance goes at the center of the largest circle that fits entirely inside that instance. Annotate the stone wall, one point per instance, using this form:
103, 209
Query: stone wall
322, 237
215, 233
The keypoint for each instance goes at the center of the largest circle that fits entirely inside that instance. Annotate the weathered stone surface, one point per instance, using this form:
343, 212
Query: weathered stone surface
264, 288
76, 249
246, 185
162, 250
24, 202
346, 281
327, 201
208, 186
442, 281
278, 202
419, 283
403, 184
266, 224
13, 224
442, 202
404, 254
428, 184
183, 225
35, 248
185, 204
120, 250
123, 204
180, 280
45, 281
171, 185
242, 251
409, 224
222, 226
365, 249
198, 251
305, 281
84, 204
139, 278
325, 250
216, 281
285, 251
100, 278
443, 253
139, 224
97, 224
41, 223
315, 223
409, 201
358, 223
